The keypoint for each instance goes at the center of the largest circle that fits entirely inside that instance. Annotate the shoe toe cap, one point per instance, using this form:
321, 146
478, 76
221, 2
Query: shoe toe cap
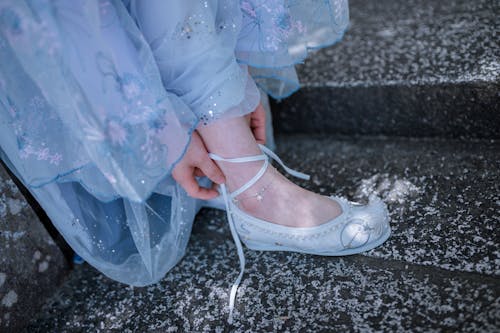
373, 218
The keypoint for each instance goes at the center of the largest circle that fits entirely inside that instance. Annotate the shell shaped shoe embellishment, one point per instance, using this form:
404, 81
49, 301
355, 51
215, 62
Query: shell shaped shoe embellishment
357, 229
355, 234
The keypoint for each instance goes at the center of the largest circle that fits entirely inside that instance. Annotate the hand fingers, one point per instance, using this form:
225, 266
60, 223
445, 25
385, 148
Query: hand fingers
211, 170
258, 124
186, 179
198, 172
260, 134
216, 187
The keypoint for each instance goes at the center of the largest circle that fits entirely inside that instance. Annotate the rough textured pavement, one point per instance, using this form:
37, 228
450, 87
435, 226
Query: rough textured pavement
31, 265
415, 68
438, 272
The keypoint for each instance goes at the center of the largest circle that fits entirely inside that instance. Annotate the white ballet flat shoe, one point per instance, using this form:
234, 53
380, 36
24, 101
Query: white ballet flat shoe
357, 229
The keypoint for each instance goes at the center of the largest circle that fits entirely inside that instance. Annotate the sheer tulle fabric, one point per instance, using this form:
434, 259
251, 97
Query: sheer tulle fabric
88, 126
98, 100
278, 34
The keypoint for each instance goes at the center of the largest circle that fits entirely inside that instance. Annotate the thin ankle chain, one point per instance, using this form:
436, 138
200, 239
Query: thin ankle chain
259, 195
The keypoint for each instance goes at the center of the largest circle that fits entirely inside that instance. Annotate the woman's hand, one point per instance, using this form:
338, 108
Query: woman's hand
196, 162
257, 122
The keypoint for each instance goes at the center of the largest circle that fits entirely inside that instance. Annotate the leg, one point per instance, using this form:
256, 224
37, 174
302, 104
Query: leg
281, 201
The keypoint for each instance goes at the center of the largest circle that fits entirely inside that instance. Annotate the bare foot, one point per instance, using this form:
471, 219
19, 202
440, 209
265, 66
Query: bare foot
276, 199
273, 197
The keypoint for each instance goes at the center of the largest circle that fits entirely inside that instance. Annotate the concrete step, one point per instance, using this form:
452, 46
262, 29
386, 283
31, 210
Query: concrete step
419, 68
438, 271
444, 195
31, 264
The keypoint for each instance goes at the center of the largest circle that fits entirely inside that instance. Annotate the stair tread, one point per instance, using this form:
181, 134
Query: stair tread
279, 293
412, 282
443, 195
418, 68
411, 42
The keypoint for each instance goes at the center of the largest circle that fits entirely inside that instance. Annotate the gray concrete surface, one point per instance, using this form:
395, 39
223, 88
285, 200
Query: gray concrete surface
444, 196
416, 68
438, 272
31, 265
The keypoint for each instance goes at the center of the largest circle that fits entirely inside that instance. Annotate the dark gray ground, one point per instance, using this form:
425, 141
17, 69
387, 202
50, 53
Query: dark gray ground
31, 265
411, 42
416, 68
438, 272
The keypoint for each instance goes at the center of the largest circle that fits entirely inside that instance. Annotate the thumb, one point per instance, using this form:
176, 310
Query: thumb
212, 171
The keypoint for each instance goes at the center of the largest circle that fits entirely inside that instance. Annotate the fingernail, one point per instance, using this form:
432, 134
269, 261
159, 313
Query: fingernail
220, 179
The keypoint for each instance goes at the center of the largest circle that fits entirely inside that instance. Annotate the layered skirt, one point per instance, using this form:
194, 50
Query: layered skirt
98, 100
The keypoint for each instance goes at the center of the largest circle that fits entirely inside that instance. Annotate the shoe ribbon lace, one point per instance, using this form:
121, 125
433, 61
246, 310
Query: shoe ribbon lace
228, 197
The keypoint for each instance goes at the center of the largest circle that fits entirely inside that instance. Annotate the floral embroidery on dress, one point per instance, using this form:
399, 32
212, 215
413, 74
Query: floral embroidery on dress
139, 122
272, 20
26, 125
28, 150
116, 133
15, 27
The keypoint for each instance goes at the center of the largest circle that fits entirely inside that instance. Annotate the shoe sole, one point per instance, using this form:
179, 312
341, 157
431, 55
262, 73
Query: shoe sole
346, 252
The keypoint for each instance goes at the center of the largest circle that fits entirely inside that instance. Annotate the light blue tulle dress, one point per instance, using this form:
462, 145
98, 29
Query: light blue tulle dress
98, 100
